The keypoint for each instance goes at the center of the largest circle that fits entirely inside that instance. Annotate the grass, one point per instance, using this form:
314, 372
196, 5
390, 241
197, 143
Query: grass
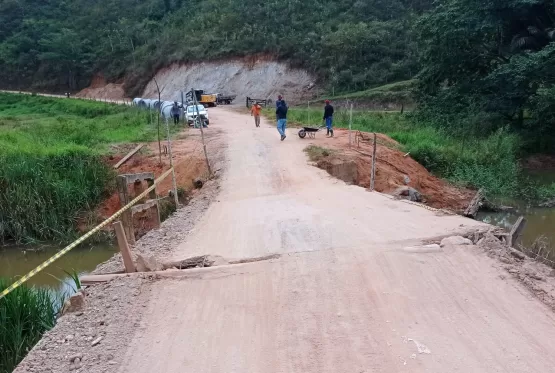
25, 315
400, 92
316, 153
51, 161
489, 162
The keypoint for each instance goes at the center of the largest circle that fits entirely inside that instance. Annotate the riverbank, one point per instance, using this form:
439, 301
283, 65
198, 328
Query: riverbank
489, 163
52, 166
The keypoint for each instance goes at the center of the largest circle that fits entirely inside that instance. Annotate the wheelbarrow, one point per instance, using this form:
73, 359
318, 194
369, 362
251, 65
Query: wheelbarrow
310, 131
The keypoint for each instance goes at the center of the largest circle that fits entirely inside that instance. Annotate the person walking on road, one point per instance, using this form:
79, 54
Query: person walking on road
281, 115
328, 117
175, 113
255, 112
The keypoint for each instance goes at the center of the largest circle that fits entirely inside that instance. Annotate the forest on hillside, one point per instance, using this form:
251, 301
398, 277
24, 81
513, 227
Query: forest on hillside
59, 44
482, 66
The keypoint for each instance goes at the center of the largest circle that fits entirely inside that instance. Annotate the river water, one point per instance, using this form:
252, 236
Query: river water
17, 261
539, 221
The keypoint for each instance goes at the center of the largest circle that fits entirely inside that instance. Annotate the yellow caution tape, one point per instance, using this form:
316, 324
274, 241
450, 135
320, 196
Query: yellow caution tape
61, 253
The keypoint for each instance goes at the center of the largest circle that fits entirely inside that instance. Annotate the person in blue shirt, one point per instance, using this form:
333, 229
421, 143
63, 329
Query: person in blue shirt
281, 116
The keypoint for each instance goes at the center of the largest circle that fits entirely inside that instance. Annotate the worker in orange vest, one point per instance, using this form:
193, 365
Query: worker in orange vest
255, 112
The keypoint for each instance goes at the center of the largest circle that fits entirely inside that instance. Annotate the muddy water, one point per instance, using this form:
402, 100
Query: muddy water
17, 261
539, 221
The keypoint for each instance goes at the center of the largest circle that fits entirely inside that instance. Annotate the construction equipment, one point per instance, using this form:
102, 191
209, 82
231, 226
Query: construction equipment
225, 99
208, 100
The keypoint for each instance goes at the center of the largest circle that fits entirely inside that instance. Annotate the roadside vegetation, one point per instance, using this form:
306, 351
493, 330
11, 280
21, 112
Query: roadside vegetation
25, 315
51, 161
315, 153
489, 162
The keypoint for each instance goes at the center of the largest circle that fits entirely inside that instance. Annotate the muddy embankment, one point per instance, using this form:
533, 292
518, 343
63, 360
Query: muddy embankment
396, 172
258, 78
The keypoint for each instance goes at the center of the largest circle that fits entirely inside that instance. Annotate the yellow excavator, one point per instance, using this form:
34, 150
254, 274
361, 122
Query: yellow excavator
208, 100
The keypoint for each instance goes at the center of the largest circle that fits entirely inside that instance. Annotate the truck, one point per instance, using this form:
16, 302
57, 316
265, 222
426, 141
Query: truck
222, 99
206, 99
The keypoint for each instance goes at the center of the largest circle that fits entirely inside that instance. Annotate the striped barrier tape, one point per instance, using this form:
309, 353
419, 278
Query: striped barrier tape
64, 251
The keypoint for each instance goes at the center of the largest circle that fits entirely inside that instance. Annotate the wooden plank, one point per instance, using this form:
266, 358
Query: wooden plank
124, 248
128, 156
475, 205
516, 231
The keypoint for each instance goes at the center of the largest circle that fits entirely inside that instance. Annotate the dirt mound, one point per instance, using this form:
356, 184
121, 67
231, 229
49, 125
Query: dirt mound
259, 78
393, 170
100, 89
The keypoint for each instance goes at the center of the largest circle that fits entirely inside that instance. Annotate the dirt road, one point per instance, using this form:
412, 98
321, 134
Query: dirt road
348, 294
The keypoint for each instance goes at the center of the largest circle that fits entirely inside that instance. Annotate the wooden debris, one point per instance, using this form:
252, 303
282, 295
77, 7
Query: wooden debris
474, 206
516, 231
128, 156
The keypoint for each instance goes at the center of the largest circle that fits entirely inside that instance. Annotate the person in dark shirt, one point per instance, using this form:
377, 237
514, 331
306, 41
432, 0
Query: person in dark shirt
281, 116
328, 117
175, 112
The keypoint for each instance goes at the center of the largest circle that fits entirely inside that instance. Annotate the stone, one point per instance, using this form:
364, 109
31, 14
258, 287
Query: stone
73, 358
75, 303
148, 264
455, 241
406, 192
406, 178
517, 254
198, 183
96, 341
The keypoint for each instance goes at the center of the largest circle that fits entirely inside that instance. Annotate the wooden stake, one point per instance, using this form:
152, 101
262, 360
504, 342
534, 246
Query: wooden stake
174, 181
124, 248
202, 133
127, 216
350, 123
373, 174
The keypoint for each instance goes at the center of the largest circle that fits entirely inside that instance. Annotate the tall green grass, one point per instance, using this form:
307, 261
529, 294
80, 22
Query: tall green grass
488, 162
51, 161
25, 315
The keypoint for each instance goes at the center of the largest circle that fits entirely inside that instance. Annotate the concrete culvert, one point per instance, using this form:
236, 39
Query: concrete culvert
156, 104
166, 109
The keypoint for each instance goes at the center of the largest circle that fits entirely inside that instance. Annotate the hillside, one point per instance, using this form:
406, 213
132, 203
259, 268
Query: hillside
61, 45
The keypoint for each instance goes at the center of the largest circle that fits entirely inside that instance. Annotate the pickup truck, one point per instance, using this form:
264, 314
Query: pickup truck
191, 115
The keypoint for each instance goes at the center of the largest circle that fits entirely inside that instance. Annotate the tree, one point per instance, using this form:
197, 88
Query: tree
492, 56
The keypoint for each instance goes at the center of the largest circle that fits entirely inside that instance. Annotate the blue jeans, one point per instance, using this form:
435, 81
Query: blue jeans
281, 124
329, 122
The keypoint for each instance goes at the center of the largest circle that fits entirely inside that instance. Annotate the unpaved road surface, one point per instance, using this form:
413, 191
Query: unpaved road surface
348, 294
